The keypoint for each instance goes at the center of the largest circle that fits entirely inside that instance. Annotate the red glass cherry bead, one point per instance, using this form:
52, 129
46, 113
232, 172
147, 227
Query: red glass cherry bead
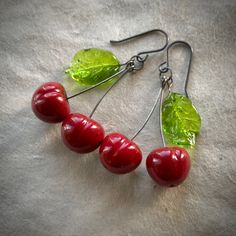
168, 166
81, 134
119, 154
49, 103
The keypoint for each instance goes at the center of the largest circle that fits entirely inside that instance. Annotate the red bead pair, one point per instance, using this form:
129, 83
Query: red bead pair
120, 155
117, 153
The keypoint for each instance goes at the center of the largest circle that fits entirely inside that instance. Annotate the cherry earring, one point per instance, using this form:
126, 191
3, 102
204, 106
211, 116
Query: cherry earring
179, 125
80, 133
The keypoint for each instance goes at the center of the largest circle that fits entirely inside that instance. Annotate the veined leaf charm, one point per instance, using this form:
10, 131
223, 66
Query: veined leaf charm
91, 66
180, 121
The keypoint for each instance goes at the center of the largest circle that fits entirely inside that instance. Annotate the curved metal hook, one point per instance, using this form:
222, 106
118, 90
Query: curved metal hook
142, 34
186, 44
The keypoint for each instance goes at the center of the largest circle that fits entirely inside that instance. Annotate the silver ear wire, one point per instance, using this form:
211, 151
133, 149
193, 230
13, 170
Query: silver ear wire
139, 58
163, 69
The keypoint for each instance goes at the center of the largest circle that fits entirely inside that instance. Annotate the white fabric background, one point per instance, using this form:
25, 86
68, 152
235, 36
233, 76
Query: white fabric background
45, 189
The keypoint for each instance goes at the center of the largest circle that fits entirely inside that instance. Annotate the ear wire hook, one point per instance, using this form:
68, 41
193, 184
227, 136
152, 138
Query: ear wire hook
138, 56
167, 68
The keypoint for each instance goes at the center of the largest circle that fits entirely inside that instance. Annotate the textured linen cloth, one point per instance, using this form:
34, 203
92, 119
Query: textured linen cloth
46, 189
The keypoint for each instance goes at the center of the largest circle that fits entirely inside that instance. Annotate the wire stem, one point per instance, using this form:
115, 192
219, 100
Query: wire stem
149, 115
98, 84
108, 90
160, 118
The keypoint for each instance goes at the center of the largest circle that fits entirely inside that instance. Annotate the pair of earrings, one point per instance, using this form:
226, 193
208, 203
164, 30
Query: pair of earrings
179, 120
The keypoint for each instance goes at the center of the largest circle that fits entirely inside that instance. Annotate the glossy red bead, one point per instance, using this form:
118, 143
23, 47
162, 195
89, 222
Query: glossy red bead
81, 134
49, 103
168, 166
119, 154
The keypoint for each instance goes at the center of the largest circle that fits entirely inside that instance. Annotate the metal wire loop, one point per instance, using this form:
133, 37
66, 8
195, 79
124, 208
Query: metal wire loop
166, 81
163, 67
135, 63
165, 75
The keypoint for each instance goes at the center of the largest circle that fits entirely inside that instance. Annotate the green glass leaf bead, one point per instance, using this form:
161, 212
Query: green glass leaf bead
180, 121
91, 66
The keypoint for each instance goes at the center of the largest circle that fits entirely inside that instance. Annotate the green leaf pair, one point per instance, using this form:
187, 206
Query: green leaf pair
180, 119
